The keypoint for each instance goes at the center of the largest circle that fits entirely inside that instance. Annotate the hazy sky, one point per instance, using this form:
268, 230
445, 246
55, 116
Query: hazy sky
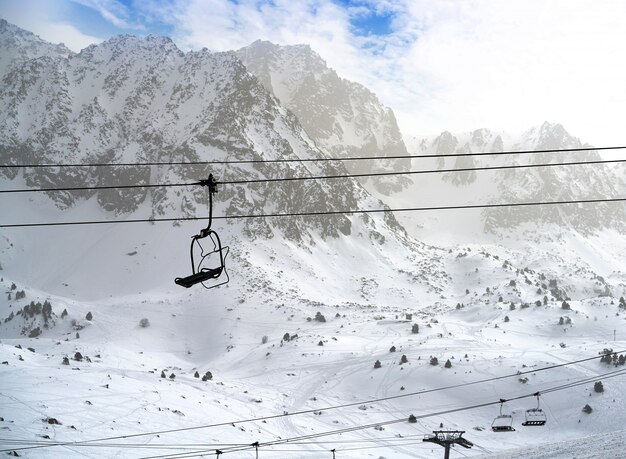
440, 64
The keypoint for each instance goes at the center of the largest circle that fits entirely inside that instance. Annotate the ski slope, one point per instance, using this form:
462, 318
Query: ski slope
124, 273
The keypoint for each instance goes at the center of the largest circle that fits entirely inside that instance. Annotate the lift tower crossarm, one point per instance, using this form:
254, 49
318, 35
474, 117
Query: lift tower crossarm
448, 438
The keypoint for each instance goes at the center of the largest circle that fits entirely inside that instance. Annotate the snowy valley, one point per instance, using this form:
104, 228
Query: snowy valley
334, 329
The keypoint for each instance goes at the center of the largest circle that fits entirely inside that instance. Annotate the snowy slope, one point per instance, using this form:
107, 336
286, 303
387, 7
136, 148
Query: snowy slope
88, 289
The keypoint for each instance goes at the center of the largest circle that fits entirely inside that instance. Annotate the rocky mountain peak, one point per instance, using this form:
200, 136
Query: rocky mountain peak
549, 136
142, 99
18, 45
342, 117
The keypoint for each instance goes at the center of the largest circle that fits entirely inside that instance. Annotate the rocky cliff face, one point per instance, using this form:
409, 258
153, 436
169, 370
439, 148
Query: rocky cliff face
531, 184
342, 117
142, 99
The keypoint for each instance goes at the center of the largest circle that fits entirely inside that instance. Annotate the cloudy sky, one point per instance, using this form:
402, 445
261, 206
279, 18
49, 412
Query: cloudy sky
440, 64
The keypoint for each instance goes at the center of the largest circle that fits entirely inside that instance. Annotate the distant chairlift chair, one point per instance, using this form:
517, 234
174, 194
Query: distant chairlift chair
502, 422
535, 416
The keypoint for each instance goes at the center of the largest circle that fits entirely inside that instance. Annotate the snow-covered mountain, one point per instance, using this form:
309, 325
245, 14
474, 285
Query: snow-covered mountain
541, 184
135, 99
342, 117
142, 99
18, 46
96, 340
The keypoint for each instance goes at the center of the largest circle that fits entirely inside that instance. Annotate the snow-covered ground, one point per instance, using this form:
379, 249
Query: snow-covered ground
124, 273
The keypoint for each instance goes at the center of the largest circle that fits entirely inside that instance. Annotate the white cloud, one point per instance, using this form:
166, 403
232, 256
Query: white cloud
509, 65
67, 34
112, 10
449, 64
454, 65
43, 18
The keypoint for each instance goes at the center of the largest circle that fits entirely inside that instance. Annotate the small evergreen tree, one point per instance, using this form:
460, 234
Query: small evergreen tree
392, 349
415, 328
377, 364
448, 364
598, 387
434, 361
506, 318
89, 316
403, 359
587, 409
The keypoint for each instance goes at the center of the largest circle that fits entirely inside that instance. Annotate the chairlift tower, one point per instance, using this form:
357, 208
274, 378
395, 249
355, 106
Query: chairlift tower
448, 438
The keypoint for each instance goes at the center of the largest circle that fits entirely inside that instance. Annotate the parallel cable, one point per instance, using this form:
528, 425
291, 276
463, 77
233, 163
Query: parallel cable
430, 171
294, 440
333, 407
319, 177
305, 160
311, 214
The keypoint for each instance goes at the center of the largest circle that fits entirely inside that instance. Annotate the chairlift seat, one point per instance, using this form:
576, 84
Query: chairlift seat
534, 417
204, 275
503, 423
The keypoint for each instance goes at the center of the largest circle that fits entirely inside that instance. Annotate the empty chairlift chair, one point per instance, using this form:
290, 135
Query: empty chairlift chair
535, 416
502, 422
210, 269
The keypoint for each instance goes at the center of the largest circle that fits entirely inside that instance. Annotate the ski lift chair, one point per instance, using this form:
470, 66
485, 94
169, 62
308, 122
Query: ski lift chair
502, 422
211, 267
535, 416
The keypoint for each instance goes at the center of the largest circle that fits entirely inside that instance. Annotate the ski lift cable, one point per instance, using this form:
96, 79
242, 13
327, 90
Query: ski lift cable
294, 440
307, 160
304, 178
321, 213
431, 171
347, 405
